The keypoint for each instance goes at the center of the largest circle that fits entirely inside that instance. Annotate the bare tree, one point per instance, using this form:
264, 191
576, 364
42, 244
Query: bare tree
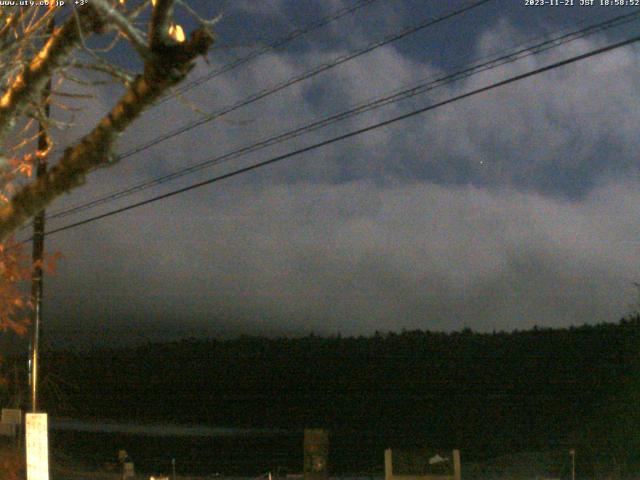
31, 53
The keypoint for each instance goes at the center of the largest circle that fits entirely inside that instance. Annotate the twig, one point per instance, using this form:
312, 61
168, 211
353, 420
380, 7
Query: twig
123, 24
33, 77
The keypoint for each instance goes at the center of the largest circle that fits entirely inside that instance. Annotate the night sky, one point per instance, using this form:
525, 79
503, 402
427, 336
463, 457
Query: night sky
513, 208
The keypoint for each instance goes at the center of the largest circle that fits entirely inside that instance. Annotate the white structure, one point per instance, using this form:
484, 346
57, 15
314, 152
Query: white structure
37, 442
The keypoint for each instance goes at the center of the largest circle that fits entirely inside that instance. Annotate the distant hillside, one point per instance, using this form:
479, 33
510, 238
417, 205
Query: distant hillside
488, 393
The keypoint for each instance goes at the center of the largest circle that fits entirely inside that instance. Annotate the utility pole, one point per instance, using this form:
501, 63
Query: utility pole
38, 239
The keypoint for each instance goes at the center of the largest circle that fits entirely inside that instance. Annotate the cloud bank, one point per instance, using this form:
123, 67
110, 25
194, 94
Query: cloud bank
511, 209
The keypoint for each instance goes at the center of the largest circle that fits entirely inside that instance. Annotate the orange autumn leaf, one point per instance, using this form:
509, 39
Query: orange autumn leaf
15, 269
26, 169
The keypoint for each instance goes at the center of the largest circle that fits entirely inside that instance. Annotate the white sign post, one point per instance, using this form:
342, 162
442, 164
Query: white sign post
37, 446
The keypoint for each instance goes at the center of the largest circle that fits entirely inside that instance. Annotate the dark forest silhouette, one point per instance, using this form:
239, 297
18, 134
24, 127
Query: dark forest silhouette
486, 393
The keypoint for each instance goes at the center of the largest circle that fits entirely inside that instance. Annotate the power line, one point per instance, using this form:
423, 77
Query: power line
354, 133
296, 79
293, 35
396, 96
299, 78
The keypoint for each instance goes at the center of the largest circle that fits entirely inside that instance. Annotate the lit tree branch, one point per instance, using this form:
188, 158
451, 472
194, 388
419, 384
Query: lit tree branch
33, 77
169, 64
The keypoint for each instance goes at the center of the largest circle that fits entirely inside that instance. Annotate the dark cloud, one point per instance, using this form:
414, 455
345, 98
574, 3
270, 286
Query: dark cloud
357, 257
511, 209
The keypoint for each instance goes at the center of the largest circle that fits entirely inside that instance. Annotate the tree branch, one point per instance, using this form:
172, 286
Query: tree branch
30, 82
160, 23
123, 24
94, 150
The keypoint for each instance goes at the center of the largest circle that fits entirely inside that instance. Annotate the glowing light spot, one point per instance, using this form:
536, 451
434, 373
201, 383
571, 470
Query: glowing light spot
177, 33
42, 55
